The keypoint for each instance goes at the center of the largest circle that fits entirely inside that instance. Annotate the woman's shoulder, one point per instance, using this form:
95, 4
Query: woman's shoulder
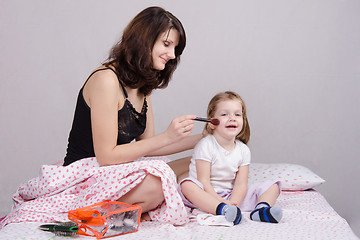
103, 72
102, 81
102, 77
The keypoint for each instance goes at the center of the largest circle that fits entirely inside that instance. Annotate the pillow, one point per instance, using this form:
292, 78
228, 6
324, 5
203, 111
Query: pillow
292, 176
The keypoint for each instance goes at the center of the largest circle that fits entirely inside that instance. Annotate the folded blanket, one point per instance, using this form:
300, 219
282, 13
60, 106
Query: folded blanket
58, 189
207, 219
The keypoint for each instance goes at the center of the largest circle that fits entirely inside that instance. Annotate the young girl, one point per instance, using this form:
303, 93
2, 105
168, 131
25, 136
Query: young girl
219, 168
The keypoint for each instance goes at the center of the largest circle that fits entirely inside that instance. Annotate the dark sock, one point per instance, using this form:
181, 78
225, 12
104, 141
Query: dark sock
264, 213
232, 213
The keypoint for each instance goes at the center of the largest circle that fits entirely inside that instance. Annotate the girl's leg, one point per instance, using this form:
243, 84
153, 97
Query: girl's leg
148, 194
199, 197
263, 211
270, 195
208, 203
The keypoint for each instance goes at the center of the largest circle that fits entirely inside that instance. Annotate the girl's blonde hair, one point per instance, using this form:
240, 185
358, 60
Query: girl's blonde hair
244, 135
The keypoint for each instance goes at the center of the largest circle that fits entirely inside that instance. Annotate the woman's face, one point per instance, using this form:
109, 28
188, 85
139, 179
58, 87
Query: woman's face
164, 48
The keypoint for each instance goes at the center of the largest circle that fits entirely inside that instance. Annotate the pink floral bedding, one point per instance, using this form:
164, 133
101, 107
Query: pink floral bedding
58, 189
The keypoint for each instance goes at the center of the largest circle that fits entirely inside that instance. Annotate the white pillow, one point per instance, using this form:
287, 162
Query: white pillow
292, 176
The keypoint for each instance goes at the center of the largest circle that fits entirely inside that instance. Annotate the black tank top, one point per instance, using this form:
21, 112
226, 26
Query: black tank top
131, 124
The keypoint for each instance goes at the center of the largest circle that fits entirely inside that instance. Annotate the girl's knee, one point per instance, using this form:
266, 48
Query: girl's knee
275, 187
186, 185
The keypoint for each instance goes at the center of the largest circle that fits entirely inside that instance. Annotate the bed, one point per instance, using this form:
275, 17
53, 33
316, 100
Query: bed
306, 215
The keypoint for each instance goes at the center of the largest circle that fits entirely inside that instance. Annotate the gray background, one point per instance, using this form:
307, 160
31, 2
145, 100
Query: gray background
295, 62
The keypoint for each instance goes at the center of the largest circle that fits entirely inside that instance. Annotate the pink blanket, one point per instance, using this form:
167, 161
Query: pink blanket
58, 189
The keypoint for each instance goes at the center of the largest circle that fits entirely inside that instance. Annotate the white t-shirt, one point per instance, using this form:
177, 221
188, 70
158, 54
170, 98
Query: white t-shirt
224, 164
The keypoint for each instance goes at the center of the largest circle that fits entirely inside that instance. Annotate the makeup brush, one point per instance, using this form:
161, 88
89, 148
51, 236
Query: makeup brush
213, 121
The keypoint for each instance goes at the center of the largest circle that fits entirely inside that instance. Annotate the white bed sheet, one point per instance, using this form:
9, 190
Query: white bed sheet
306, 215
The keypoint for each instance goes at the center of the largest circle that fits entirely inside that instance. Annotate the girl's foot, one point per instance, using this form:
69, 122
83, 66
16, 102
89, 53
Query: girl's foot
264, 213
232, 213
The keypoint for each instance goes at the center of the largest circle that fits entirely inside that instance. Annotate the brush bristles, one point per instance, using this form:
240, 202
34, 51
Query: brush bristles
215, 121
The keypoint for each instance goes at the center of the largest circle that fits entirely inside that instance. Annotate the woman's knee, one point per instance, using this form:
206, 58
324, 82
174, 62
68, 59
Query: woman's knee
148, 194
153, 190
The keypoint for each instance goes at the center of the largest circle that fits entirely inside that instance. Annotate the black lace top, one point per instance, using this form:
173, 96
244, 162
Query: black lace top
131, 124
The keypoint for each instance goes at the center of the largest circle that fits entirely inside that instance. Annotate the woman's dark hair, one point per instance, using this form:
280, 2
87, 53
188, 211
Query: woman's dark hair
131, 56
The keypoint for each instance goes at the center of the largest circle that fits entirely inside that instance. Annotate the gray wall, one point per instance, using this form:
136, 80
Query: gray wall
296, 63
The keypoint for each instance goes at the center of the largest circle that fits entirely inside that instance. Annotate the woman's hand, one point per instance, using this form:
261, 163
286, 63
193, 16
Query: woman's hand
180, 127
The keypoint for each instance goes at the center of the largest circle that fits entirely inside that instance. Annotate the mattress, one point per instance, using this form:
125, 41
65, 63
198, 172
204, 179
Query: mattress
306, 215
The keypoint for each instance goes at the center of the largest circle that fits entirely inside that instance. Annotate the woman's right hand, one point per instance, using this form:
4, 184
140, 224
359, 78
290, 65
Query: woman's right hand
180, 127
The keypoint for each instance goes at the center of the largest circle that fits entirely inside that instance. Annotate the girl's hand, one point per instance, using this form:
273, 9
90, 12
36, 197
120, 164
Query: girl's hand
180, 127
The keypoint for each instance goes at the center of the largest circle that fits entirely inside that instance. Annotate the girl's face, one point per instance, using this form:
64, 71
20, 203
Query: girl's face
164, 48
229, 113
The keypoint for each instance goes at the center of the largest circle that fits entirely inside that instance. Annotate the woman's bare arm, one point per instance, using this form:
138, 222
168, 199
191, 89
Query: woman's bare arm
104, 95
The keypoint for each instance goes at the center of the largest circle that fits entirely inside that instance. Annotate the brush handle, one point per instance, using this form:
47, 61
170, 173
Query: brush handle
202, 119
58, 228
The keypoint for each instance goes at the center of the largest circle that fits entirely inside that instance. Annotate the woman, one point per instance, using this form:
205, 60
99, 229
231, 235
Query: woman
118, 95
113, 126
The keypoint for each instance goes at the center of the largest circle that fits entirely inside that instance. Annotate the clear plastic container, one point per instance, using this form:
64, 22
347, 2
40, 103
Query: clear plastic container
106, 219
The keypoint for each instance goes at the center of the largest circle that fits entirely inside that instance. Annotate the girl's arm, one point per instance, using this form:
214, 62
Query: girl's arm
103, 94
203, 175
240, 185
